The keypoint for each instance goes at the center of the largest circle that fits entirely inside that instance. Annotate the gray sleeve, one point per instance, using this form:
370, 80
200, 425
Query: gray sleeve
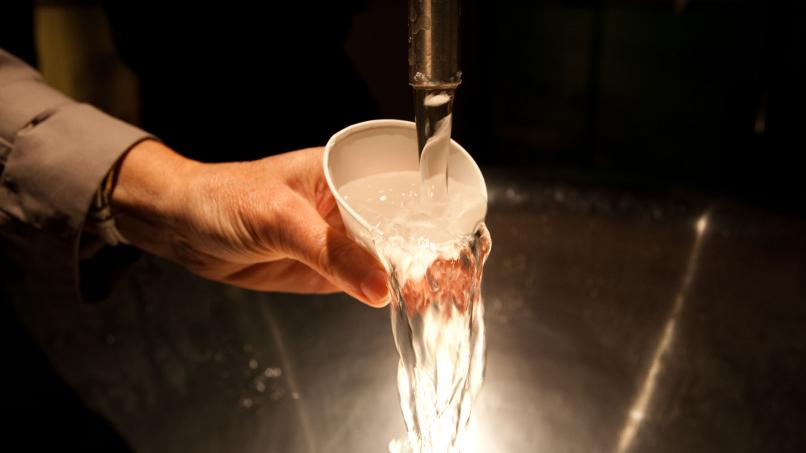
54, 152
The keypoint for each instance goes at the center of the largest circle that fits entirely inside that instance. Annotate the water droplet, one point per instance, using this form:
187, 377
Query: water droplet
260, 387
273, 372
253, 364
247, 402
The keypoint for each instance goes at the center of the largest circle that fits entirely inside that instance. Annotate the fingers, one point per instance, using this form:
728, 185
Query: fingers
335, 256
286, 275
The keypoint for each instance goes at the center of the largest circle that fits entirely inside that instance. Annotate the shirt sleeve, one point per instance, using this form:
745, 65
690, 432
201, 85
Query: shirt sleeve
54, 152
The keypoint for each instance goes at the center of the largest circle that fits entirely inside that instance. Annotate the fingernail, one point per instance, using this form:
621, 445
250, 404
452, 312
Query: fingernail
374, 288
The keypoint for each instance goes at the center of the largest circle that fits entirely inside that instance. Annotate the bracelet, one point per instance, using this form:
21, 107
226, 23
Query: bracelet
101, 213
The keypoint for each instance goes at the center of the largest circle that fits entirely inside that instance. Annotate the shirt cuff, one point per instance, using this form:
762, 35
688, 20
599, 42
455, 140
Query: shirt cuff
52, 171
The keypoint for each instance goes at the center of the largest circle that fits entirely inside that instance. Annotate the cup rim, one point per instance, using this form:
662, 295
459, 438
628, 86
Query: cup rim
358, 127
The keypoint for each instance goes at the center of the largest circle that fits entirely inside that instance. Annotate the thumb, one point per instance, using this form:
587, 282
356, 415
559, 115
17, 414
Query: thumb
337, 257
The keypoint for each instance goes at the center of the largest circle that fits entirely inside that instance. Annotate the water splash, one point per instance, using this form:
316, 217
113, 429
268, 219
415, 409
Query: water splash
437, 312
438, 325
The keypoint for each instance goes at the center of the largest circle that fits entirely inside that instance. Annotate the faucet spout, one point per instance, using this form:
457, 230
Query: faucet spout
434, 44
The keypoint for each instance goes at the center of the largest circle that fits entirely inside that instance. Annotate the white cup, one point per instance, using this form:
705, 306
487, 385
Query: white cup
382, 146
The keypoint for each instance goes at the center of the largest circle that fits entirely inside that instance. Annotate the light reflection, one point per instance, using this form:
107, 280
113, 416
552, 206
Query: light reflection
644, 397
485, 432
303, 419
476, 438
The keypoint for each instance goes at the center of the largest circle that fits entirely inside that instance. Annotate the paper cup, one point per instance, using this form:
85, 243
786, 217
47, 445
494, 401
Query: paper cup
382, 146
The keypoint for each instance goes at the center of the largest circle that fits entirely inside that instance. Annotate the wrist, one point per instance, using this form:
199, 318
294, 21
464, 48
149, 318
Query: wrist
150, 200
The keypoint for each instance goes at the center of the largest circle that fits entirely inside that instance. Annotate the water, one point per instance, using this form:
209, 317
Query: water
437, 311
433, 117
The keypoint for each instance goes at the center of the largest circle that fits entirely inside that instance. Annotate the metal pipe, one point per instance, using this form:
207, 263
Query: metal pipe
434, 44
434, 75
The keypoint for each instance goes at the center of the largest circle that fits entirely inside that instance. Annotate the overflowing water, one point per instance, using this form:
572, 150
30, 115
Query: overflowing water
437, 311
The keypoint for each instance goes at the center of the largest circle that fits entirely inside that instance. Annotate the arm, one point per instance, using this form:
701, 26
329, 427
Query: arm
54, 152
268, 225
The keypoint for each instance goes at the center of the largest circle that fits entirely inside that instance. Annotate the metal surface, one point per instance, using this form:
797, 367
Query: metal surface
434, 44
616, 322
433, 71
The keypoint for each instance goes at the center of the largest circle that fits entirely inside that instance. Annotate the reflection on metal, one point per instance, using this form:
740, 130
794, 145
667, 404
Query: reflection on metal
302, 415
434, 44
477, 439
644, 396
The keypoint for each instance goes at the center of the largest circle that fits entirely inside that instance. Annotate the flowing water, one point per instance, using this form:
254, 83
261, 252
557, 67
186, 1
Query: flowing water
437, 311
433, 117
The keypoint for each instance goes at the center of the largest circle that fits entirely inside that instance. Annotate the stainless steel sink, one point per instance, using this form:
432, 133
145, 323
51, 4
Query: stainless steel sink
617, 322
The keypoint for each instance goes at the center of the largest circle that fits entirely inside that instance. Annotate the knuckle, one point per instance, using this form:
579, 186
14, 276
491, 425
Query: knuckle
324, 251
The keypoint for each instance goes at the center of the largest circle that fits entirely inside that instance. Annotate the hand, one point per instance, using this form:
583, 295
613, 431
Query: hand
269, 225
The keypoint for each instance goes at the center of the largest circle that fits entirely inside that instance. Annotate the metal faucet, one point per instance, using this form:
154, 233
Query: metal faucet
434, 44
433, 61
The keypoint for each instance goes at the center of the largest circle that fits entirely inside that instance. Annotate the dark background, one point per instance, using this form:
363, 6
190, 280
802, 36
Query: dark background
606, 130
706, 94
703, 95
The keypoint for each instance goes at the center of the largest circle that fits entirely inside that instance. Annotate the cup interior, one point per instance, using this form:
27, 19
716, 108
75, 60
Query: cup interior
381, 146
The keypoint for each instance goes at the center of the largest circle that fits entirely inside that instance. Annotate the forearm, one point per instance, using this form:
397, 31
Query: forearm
269, 225
150, 200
